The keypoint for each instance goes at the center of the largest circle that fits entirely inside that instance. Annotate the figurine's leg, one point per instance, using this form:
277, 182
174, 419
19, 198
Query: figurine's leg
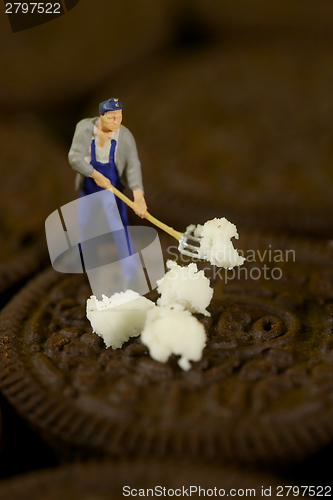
128, 259
87, 212
122, 207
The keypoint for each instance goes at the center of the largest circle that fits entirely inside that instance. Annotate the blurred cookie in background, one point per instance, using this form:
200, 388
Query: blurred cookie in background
235, 130
35, 181
105, 480
276, 17
72, 54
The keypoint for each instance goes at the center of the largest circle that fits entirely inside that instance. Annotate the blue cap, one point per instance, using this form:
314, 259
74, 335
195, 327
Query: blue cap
110, 105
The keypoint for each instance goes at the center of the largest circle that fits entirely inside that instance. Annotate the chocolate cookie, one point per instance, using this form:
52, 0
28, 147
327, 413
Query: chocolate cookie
36, 180
67, 57
105, 480
236, 130
262, 391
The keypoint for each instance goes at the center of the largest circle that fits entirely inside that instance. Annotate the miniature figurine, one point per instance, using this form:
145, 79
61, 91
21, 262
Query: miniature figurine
103, 152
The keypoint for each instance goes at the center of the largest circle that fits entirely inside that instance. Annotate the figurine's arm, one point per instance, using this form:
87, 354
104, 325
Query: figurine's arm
101, 180
80, 148
133, 172
141, 208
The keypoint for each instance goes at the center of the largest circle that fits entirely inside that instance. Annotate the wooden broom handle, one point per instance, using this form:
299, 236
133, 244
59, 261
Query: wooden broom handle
176, 234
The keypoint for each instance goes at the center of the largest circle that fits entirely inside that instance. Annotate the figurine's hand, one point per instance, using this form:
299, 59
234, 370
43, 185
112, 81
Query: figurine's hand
101, 180
140, 207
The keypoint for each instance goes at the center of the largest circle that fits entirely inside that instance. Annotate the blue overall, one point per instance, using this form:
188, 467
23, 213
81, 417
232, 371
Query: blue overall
112, 207
109, 170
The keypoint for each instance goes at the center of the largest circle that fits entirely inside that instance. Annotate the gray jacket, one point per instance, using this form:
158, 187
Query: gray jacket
126, 158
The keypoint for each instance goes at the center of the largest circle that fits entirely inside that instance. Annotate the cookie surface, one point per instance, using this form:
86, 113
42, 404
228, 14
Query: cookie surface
262, 391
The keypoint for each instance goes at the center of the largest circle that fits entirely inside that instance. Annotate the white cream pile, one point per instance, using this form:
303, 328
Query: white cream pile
186, 286
173, 330
119, 317
216, 245
169, 327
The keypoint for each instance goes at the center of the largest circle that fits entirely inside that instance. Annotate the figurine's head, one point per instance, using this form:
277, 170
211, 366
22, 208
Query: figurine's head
111, 114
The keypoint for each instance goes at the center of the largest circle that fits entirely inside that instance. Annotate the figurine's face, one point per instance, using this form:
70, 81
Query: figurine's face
112, 120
